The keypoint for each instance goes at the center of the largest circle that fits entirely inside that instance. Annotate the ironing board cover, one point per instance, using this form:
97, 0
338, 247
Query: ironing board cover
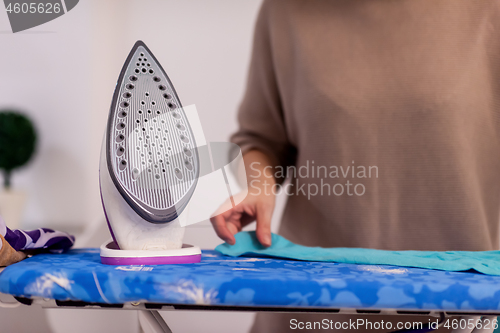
250, 281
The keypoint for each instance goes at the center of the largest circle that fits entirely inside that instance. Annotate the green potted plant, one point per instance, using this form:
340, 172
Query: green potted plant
17, 145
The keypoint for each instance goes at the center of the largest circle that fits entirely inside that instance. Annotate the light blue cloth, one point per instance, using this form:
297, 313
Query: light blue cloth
486, 262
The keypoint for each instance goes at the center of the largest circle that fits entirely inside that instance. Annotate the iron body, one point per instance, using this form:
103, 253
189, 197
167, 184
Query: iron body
149, 163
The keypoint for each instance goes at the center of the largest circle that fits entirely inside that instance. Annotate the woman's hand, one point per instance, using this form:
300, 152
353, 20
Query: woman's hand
257, 206
253, 207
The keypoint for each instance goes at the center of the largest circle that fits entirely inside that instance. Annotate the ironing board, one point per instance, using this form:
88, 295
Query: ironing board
77, 279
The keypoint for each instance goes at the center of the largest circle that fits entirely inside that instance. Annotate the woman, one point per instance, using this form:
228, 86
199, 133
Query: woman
409, 88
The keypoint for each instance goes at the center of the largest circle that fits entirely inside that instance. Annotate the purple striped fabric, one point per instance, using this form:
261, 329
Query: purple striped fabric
39, 239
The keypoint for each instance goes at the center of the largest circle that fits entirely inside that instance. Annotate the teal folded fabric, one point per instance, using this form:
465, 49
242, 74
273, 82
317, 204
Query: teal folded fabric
486, 262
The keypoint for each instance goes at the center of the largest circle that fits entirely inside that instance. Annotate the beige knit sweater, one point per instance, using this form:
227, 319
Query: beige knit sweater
410, 88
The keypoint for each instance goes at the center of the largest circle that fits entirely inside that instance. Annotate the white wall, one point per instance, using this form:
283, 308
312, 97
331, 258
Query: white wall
63, 74
44, 72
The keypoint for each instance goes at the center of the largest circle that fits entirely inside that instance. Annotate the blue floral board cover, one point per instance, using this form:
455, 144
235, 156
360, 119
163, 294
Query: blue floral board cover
250, 281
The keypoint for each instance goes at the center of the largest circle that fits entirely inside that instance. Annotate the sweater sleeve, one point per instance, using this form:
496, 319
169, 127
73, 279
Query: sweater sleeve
260, 117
